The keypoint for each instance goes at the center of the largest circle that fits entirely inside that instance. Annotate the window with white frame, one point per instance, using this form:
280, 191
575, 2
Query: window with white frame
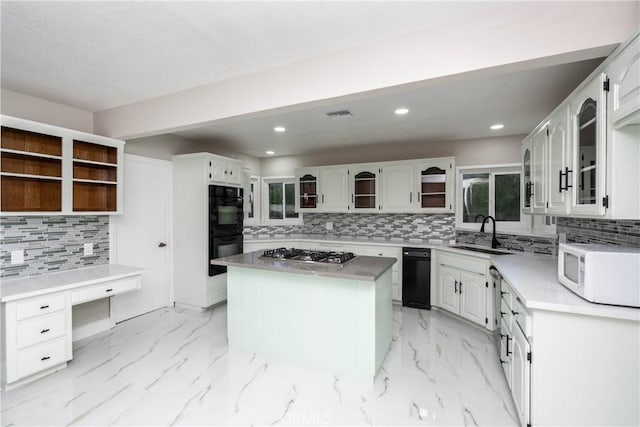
490, 191
278, 201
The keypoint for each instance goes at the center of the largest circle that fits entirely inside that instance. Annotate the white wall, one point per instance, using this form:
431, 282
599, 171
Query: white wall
28, 107
167, 145
467, 152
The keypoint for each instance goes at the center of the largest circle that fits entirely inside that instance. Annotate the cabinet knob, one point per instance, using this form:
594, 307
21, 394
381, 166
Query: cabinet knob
42, 307
45, 358
162, 244
44, 331
109, 290
225, 172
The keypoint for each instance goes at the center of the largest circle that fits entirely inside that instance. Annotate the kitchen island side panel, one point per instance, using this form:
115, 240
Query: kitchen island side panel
336, 325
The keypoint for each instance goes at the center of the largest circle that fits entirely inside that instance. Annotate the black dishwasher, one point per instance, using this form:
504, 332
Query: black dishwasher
416, 278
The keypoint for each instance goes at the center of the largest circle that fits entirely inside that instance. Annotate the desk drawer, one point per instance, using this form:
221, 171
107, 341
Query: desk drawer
41, 357
104, 290
40, 329
40, 305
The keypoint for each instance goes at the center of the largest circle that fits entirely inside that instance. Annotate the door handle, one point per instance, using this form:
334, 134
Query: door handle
508, 352
560, 181
460, 287
411, 197
162, 244
455, 286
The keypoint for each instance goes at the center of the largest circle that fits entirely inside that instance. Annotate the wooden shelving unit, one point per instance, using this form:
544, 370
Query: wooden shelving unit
49, 170
30, 171
95, 177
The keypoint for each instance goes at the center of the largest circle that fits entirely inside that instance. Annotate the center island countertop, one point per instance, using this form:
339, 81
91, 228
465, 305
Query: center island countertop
363, 268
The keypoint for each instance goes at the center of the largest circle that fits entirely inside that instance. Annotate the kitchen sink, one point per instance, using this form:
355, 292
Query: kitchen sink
483, 250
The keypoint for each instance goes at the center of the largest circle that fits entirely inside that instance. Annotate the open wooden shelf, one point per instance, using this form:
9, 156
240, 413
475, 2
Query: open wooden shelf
22, 194
31, 171
13, 162
23, 140
94, 197
97, 172
94, 152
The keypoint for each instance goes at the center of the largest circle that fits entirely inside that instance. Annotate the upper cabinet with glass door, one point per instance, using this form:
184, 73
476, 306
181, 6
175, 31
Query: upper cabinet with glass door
365, 184
435, 185
307, 190
527, 159
588, 109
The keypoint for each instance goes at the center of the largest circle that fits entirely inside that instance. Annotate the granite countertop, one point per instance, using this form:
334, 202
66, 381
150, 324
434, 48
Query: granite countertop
14, 289
362, 268
534, 279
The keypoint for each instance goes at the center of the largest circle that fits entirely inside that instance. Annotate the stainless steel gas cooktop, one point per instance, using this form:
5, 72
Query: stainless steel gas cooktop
305, 255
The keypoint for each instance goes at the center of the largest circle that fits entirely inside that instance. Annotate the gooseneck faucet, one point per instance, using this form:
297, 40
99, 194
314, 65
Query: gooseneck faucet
494, 241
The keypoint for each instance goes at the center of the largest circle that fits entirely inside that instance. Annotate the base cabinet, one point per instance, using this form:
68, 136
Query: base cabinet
462, 287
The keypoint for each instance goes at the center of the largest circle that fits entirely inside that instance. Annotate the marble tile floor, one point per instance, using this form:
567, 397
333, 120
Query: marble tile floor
173, 367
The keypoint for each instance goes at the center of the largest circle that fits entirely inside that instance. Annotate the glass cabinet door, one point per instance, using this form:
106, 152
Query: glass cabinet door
433, 188
526, 172
364, 190
586, 137
308, 191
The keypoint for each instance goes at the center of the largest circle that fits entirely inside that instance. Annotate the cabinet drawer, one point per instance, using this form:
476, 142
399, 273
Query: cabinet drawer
41, 357
520, 316
40, 329
463, 262
505, 295
104, 290
39, 306
506, 315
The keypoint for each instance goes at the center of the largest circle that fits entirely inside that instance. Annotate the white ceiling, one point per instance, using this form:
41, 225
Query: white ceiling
99, 55
460, 109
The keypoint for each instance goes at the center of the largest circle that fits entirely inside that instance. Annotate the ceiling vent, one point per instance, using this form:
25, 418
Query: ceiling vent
339, 113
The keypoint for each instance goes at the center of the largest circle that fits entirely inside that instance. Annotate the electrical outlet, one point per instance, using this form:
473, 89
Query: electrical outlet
88, 249
562, 237
17, 257
329, 225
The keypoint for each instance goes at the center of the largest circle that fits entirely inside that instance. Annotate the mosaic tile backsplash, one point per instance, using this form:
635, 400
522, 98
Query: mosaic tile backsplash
511, 242
604, 231
391, 226
52, 243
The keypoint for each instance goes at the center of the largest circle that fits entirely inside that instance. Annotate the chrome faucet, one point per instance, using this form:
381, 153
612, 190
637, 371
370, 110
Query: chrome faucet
494, 241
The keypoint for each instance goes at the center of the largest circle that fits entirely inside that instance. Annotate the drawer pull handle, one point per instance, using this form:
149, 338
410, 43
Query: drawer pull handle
44, 331
502, 313
515, 313
502, 362
110, 290
42, 307
502, 293
45, 358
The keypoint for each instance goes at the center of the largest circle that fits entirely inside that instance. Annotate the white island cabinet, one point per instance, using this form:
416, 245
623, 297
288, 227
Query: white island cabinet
327, 317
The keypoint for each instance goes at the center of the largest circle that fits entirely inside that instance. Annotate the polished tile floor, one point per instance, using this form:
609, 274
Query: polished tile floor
173, 367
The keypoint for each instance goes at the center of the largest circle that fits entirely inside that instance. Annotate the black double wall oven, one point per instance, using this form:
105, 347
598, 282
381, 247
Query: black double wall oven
225, 224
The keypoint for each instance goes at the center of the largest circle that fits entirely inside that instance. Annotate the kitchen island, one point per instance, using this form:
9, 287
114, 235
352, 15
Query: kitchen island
335, 318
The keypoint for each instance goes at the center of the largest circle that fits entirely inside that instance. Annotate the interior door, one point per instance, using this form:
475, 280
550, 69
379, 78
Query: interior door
141, 235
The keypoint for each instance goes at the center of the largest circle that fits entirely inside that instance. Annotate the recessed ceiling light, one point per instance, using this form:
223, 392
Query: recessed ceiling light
279, 128
270, 153
497, 126
401, 111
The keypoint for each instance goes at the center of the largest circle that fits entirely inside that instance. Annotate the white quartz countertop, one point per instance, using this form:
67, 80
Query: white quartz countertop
363, 268
15, 289
534, 279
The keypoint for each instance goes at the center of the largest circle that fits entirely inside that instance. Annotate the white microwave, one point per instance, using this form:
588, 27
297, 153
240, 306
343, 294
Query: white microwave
601, 274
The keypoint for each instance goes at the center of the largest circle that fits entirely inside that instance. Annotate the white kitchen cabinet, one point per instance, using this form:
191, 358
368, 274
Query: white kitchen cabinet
624, 75
462, 287
505, 352
558, 166
334, 189
49, 170
538, 166
192, 175
397, 190
365, 189
307, 190
472, 288
222, 170
527, 181
588, 116
396, 269
448, 288
520, 373
436, 180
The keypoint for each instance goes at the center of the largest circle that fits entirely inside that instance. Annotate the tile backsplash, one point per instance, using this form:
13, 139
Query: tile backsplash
391, 226
52, 243
604, 231
512, 242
